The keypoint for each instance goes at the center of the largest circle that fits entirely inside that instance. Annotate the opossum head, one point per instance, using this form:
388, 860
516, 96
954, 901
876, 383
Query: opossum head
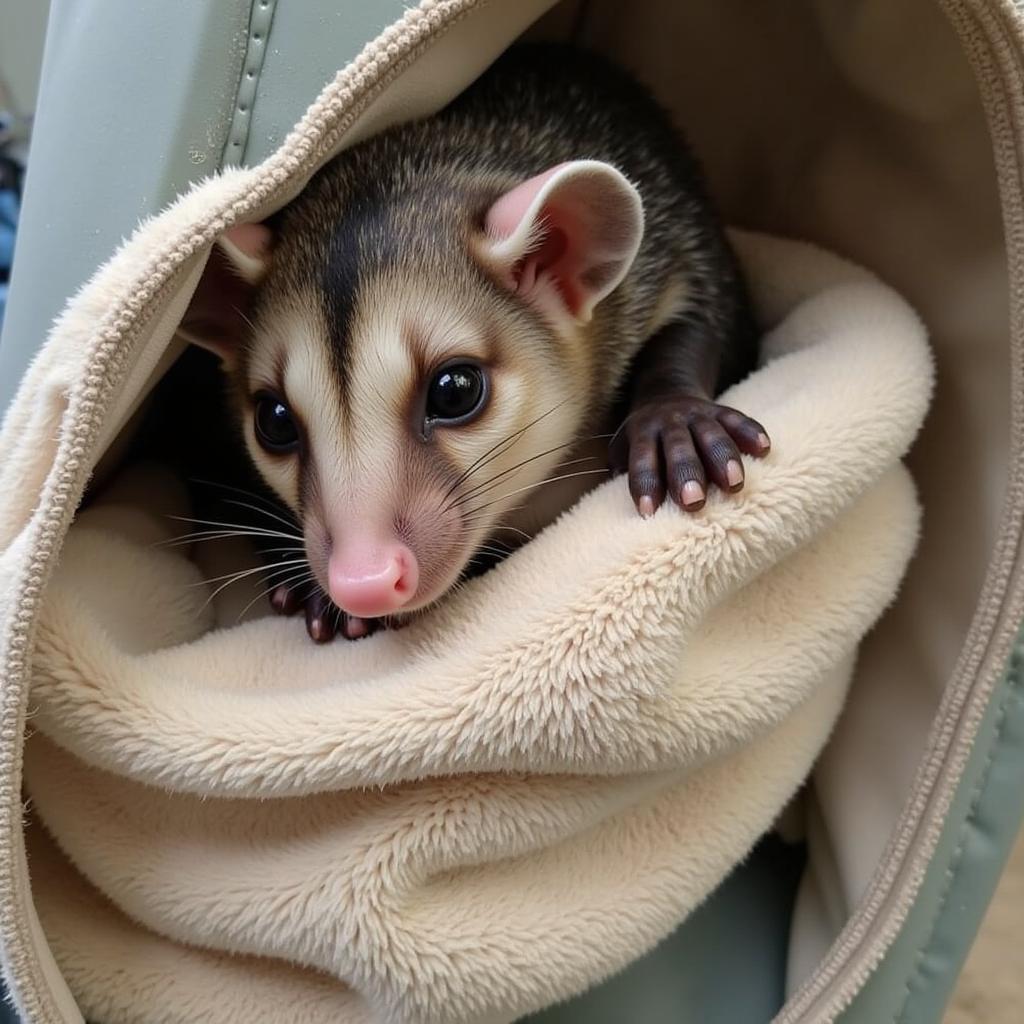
408, 368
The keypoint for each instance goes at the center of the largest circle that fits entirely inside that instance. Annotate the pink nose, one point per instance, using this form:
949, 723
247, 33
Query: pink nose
369, 583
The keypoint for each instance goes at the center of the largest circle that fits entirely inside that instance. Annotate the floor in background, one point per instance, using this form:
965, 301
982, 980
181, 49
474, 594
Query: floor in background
991, 989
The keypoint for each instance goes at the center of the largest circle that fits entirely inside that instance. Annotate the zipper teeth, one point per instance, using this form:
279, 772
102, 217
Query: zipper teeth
992, 35
113, 342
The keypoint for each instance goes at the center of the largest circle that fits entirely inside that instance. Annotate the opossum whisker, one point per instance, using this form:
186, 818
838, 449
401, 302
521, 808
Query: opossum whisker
505, 472
515, 529
485, 551
189, 538
489, 485
477, 488
528, 487
336, 614
261, 511
297, 580
200, 537
240, 574
468, 519
241, 313
272, 511
488, 549
275, 505
291, 548
262, 531
215, 535
618, 430
211, 597
294, 582
203, 535
234, 578
493, 453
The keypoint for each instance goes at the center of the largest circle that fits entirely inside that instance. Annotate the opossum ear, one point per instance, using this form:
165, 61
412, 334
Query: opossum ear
248, 247
566, 238
216, 316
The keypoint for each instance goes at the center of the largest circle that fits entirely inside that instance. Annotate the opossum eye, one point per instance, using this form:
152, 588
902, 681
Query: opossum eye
456, 393
276, 429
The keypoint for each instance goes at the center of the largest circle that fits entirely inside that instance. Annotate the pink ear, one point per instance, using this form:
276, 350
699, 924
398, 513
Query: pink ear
248, 246
566, 238
216, 317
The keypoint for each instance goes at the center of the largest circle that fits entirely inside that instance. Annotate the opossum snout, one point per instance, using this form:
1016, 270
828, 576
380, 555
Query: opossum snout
372, 580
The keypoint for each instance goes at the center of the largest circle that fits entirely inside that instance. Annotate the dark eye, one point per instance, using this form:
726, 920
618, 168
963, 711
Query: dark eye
275, 427
455, 394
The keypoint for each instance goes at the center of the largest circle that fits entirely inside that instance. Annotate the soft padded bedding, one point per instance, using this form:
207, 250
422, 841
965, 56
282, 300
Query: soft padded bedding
517, 795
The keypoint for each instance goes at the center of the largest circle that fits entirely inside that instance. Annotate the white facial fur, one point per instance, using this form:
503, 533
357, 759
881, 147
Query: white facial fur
367, 473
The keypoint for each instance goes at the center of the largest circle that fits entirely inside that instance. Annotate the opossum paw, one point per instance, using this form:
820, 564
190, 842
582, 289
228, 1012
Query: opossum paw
355, 628
676, 445
287, 600
324, 620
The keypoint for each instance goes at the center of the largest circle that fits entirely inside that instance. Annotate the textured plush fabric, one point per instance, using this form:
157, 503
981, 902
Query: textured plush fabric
503, 803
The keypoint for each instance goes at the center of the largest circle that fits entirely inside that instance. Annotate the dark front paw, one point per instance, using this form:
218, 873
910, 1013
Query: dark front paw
675, 445
324, 620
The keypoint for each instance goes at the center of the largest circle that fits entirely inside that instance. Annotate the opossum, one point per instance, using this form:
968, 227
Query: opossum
460, 323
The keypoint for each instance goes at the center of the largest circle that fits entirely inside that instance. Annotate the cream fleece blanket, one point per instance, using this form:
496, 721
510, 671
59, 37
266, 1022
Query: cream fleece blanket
503, 803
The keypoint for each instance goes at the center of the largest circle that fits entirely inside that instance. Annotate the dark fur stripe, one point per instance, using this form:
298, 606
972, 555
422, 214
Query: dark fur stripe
340, 288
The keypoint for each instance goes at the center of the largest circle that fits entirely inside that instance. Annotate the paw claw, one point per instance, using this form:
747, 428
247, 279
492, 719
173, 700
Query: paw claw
323, 620
693, 495
319, 630
285, 600
676, 443
355, 628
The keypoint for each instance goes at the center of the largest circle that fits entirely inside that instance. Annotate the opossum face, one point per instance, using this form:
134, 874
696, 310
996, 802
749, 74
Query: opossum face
402, 420
401, 466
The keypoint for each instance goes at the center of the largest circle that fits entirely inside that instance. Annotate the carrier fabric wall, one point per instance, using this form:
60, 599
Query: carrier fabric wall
889, 136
